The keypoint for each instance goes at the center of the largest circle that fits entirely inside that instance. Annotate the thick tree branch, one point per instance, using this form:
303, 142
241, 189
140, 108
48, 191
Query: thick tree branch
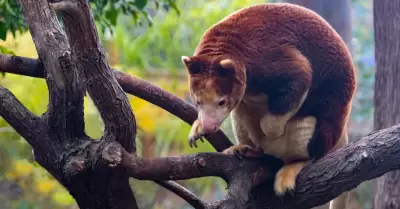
130, 84
169, 102
107, 95
19, 117
241, 175
318, 183
66, 70
21, 66
66, 91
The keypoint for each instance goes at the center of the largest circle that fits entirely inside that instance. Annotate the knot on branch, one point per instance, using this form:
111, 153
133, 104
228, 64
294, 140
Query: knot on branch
90, 54
74, 165
202, 162
67, 6
112, 154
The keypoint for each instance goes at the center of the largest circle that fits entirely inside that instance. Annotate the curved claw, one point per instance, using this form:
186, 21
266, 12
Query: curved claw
195, 134
193, 140
201, 137
238, 154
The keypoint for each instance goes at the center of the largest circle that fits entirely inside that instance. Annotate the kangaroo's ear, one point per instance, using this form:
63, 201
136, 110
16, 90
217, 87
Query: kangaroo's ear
192, 65
185, 60
227, 64
227, 68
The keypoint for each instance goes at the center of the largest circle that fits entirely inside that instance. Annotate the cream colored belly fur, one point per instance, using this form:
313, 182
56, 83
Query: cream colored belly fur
292, 145
247, 121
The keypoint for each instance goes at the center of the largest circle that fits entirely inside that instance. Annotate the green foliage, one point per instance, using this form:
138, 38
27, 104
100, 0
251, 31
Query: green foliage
5, 50
11, 18
162, 46
106, 12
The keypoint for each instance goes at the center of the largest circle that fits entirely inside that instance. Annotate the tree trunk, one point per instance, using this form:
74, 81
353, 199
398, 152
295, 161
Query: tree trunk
387, 90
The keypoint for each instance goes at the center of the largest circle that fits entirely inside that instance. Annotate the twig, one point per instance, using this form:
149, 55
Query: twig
107, 95
185, 194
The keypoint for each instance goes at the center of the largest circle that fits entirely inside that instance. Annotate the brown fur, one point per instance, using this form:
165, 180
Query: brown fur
288, 80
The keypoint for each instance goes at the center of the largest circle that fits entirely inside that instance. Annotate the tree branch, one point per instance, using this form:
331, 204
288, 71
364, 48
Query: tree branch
185, 194
130, 84
65, 113
19, 117
318, 183
107, 95
169, 102
241, 175
21, 66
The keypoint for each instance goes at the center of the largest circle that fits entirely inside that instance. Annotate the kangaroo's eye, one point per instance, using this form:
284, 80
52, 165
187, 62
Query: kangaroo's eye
222, 102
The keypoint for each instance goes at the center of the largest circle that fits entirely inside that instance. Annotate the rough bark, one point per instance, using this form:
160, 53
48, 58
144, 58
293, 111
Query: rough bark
63, 147
65, 112
317, 183
96, 172
387, 90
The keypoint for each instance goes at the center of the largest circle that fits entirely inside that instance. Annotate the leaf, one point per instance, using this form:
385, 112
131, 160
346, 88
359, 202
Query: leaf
173, 5
140, 4
3, 31
10, 10
135, 17
112, 14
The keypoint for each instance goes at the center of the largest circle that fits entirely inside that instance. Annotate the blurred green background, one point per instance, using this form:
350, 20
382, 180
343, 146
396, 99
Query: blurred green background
149, 44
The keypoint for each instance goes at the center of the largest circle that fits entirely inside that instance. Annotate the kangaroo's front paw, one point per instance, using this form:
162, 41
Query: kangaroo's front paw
195, 133
242, 150
285, 179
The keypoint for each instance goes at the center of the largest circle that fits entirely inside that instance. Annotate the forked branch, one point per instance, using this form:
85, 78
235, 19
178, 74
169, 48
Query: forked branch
107, 95
66, 90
